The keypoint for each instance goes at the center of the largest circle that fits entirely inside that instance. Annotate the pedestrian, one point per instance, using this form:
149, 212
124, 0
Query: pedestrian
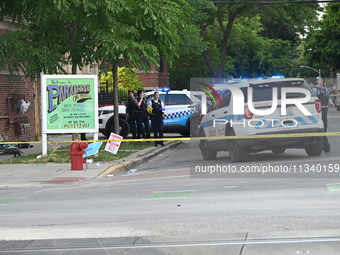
142, 116
156, 117
332, 92
323, 94
130, 112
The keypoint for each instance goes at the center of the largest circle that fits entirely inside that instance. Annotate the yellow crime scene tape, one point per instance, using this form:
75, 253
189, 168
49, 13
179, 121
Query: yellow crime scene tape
194, 138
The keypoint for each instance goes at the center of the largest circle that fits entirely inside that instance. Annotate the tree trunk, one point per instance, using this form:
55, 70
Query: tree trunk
75, 136
217, 69
115, 98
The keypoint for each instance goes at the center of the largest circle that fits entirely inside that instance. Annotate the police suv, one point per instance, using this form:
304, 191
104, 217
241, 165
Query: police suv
105, 119
262, 107
182, 114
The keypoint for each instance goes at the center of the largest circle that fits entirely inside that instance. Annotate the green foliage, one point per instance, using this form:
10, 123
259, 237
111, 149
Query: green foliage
86, 31
246, 39
77, 32
323, 42
186, 67
147, 28
201, 39
287, 21
90, 31
23, 51
127, 80
252, 54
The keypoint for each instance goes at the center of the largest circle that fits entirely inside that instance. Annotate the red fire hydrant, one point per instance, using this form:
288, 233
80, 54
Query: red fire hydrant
76, 152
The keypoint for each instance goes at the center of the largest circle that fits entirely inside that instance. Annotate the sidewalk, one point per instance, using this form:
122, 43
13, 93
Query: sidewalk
25, 175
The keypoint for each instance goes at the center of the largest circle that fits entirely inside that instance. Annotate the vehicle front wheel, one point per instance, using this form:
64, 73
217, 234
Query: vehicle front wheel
195, 126
236, 153
207, 153
315, 149
124, 128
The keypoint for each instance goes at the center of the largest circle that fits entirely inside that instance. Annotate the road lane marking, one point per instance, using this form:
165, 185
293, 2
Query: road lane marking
170, 194
177, 244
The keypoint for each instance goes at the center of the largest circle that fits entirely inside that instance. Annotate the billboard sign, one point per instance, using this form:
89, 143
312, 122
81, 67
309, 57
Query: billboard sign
69, 103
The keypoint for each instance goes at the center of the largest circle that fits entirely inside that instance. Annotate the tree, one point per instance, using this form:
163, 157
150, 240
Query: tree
52, 34
149, 29
190, 62
253, 55
58, 32
216, 25
127, 80
323, 42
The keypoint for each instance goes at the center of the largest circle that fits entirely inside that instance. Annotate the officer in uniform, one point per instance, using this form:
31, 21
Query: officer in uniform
130, 112
155, 109
142, 116
323, 94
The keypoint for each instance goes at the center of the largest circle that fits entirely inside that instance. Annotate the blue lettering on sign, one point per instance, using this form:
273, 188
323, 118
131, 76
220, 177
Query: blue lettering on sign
63, 92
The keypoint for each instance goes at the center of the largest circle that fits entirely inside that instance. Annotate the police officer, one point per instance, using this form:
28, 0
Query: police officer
141, 116
323, 94
156, 117
312, 82
130, 112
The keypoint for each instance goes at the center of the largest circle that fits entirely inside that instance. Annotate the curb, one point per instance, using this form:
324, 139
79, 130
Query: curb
123, 167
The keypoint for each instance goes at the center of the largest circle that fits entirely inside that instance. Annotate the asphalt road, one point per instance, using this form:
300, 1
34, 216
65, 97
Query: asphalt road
162, 208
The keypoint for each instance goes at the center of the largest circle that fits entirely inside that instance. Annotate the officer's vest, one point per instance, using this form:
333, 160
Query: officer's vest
143, 105
156, 107
322, 96
131, 106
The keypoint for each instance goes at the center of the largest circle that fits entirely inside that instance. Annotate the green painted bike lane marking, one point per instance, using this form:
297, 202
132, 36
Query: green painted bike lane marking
333, 186
170, 194
6, 201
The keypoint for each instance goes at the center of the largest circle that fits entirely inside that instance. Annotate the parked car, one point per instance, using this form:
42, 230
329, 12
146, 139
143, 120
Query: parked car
182, 114
223, 122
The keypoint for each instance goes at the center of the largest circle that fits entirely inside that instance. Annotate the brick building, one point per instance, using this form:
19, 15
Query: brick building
16, 125
158, 77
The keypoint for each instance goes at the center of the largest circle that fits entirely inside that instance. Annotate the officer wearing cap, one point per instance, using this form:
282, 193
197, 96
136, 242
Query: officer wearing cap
155, 109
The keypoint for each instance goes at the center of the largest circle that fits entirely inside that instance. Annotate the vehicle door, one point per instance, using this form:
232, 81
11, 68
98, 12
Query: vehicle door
178, 108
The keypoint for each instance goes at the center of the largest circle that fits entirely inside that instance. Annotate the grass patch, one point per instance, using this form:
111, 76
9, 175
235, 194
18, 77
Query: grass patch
59, 154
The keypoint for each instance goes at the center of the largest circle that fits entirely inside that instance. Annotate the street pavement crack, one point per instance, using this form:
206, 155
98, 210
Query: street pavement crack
245, 239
